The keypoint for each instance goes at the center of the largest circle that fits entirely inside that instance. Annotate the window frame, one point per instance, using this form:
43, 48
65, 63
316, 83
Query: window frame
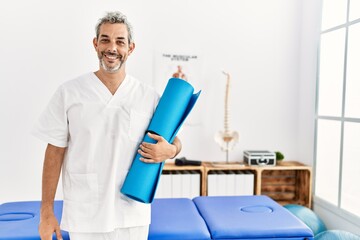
335, 209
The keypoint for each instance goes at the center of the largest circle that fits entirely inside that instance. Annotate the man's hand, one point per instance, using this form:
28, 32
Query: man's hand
48, 225
158, 152
54, 157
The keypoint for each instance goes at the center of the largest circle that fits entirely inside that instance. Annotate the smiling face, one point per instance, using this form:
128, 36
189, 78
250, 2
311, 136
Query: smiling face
113, 47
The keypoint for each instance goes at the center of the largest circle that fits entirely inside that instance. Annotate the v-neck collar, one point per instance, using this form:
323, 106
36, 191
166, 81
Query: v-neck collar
106, 95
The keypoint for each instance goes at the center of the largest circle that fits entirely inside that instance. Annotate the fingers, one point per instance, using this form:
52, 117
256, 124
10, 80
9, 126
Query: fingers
146, 146
49, 236
144, 154
58, 233
147, 157
150, 146
153, 152
155, 136
146, 160
46, 236
144, 151
48, 225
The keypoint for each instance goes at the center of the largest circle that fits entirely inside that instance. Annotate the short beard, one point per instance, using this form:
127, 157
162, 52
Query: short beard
108, 69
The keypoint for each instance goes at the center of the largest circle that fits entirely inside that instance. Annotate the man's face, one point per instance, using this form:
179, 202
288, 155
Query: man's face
112, 46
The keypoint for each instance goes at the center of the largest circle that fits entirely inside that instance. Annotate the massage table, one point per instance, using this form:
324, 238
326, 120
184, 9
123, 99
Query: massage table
250, 217
20, 220
176, 219
220, 218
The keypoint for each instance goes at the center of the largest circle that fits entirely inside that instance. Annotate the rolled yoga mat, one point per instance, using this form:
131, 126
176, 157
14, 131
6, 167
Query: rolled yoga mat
174, 106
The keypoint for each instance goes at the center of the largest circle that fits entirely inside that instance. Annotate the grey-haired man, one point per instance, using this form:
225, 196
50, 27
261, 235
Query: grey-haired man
94, 124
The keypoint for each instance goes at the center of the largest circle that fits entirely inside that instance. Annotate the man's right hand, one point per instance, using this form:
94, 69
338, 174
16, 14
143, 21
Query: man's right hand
54, 157
48, 225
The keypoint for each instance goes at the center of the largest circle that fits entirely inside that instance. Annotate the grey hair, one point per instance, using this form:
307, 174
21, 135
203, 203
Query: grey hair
115, 17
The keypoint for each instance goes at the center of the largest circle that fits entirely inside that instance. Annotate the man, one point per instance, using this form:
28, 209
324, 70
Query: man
94, 125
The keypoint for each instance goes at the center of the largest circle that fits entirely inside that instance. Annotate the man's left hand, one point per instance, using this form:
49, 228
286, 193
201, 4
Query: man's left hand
156, 152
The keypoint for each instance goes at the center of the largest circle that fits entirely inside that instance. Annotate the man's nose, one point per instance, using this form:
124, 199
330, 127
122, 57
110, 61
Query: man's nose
112, 47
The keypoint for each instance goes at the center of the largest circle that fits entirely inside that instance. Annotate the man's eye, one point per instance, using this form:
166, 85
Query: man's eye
104, 40
121, 42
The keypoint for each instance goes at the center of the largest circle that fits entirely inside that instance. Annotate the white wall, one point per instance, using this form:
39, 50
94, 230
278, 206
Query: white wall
45, 43
310, 35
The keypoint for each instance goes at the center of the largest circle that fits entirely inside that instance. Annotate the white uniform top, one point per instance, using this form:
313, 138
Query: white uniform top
102, 133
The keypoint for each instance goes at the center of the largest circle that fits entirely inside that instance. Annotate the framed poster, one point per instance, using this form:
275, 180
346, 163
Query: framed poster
186, 66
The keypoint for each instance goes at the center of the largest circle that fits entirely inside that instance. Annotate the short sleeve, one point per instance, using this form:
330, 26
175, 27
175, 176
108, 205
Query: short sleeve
52, 126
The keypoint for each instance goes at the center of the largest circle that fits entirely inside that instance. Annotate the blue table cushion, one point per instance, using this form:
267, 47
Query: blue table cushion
20, 220
245, 217
176, 219
250, 217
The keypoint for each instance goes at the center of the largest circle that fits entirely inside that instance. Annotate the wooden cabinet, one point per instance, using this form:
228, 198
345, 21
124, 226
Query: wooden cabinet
288, 182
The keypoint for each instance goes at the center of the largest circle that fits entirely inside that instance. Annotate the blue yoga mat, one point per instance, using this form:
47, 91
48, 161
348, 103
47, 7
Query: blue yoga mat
174, 106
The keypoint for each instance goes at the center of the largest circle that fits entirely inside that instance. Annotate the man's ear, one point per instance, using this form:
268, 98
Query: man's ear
131, 47
95, 43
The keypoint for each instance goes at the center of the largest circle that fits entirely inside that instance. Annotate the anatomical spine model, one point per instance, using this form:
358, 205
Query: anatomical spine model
227, 138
